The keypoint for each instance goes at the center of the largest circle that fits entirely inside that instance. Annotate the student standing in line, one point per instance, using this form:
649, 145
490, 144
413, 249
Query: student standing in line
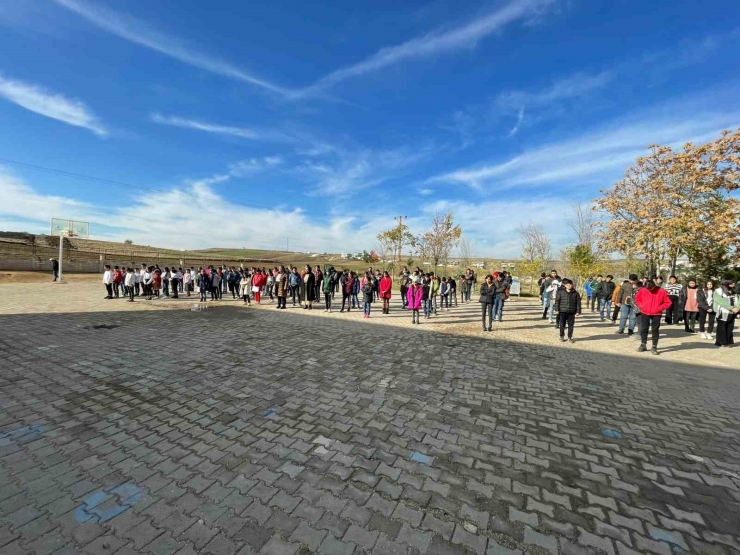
108, 281
215, 285
606, 290
175, 279
588, 290
327, 287
384, 290
166, 282
652, 301
186, 278
501, 287
426, 287
626, 305
567, 307
486, 299
130, 283
595, 286
137, 281
347, 285
615, 296
368, 294
355, 290
405, 284
705, 300
309, 289
147, 279
156, 281
673, 289
688, 302
116, 280
453, 290
444, 294
203, 285
414, 300
727, 307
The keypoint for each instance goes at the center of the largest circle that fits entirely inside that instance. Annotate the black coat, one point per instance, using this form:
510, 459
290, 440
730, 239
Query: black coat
568, 302
701, 299
606, 290
310, 292
487, 293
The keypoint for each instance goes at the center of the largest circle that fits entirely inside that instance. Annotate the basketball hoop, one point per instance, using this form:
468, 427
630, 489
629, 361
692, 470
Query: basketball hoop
67, 228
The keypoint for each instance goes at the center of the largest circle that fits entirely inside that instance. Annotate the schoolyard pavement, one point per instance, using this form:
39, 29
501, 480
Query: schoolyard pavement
149, 428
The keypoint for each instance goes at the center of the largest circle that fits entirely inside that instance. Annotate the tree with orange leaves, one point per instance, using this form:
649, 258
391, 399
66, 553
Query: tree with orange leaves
675, 203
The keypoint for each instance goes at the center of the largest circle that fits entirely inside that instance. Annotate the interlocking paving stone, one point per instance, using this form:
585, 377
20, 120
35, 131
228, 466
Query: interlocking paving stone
433, 438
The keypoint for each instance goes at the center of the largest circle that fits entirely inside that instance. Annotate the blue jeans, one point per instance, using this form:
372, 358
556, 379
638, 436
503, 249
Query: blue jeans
166, 287
605, 307
427, 307
355, 301
498, 307
366, 308
626, 312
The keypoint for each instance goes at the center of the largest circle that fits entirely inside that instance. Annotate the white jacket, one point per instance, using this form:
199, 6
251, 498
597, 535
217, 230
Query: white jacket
130, 279
108, 277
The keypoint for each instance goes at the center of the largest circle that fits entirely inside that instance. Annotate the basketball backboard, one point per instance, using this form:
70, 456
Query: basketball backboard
70, 228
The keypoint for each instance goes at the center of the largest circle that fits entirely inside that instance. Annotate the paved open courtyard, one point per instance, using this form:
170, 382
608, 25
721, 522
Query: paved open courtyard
149, 428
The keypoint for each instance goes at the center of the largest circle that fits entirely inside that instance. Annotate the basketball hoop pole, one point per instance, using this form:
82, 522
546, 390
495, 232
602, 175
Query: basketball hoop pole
61, 254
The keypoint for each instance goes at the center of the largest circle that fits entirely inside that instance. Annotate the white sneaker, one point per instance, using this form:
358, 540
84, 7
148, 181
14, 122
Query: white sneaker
704, 336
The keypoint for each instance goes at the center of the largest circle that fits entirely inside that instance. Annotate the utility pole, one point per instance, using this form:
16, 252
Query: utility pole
399, 245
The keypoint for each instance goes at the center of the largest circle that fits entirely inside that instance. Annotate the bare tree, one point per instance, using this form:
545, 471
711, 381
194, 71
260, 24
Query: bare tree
437, 242
583, 224
536, 245
465, 250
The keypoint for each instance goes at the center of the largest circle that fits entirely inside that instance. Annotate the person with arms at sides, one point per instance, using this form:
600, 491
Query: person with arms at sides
567, 307
486, 300
727, 307
705, 300
652, 301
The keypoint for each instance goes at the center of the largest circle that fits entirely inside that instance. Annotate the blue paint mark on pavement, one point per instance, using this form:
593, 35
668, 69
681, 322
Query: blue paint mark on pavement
106, 504
269, 413
420, 457
20, 435
590, 388
612, 433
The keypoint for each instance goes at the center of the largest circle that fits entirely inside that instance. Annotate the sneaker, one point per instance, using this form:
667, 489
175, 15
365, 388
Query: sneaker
571, 340
563, 340
654, 350
642, 348
603, 319
704, 336
631, 333
620, 332
329, 311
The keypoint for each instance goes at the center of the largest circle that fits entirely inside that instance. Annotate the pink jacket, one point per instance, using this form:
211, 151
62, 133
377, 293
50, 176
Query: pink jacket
414, 296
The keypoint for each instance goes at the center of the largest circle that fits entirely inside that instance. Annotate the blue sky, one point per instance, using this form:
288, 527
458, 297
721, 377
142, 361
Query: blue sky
243, 124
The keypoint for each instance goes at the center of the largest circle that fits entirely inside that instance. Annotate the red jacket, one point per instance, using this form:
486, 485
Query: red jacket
652, 303
117, 276
385, 288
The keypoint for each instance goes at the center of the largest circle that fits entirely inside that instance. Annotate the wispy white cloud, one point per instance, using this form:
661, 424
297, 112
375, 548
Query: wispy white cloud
597, 156
269, 135
140, 33
570, 87
347, 171
465, 36
51, 105
519, 120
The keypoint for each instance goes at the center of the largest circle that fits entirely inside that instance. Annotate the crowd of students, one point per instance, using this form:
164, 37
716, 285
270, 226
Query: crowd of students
643, 303
634, 304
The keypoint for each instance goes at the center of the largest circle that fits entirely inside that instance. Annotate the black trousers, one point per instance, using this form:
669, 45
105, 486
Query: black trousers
703, 320
615, 312
689, 320
136, 289
174, 284
404, 299
672, 315
569, 319
130, 293
652, 324
487, 308
327, 300
294, 293
724, 332
348, 299
109, 289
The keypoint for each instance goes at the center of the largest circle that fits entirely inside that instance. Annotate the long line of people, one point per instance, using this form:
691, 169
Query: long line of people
643, 303
636, 303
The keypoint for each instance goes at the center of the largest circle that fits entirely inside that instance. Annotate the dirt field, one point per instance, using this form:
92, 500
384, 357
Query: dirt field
41, 277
